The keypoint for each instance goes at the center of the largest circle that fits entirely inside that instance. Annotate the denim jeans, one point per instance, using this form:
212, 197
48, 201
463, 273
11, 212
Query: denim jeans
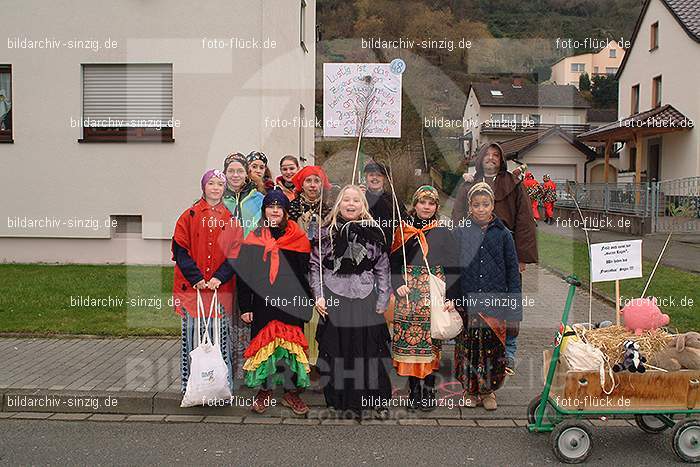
511, 346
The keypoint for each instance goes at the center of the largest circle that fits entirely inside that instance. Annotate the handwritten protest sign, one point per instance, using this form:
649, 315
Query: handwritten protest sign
357, 92
616, 260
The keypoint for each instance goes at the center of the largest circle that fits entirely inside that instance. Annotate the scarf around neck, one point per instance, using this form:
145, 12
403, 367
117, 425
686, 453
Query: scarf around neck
416, 227
293, 239
350, 254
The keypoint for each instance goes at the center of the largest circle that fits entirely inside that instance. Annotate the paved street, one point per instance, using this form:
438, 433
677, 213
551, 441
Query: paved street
92, 443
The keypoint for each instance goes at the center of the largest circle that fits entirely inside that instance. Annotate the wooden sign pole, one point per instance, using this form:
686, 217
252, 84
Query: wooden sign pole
617, 302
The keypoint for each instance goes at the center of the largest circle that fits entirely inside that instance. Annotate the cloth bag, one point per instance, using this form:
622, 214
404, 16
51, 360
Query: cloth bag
208, 381
582, 356
443, 324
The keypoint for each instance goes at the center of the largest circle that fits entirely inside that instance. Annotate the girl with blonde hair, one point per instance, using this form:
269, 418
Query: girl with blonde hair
351, 282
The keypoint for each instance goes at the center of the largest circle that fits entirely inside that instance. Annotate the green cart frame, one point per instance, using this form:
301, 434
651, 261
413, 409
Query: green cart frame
571, 434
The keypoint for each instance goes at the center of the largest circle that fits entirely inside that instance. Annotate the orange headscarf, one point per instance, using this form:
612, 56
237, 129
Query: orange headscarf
409, 232
294, 239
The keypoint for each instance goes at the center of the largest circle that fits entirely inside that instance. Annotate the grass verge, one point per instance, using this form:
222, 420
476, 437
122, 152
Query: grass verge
676, 291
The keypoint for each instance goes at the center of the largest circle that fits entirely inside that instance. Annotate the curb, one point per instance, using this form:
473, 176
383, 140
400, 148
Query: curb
510, 423
51, 335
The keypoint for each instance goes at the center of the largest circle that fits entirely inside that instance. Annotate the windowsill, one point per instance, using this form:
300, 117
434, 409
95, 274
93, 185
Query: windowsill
127, 140
7, 141
127, 135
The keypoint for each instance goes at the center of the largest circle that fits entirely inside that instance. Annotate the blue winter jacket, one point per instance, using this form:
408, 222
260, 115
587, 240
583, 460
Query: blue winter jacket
489, 274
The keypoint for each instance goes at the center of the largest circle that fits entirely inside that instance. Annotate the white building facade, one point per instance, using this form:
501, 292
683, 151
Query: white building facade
191, 83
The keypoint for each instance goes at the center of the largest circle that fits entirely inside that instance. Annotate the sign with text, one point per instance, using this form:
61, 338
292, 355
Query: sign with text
616, 260
361, 95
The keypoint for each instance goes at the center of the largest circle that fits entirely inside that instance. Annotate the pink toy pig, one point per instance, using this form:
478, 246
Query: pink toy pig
642, 314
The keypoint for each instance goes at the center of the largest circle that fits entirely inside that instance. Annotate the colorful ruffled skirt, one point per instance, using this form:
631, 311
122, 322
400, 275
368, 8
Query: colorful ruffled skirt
277, 343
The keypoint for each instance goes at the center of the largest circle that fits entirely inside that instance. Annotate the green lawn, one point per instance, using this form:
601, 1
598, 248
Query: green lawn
43, 299
669, 284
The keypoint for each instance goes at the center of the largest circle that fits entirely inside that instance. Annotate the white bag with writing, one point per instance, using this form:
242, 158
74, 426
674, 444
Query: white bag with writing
443, 324
208, 381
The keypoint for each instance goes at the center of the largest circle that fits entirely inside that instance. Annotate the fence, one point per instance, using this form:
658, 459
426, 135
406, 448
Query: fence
672, 205
607, 197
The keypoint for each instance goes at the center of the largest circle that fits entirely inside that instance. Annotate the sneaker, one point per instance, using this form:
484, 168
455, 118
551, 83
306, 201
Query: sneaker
489, 401
510, 366
292, 400
262, 401
471, 401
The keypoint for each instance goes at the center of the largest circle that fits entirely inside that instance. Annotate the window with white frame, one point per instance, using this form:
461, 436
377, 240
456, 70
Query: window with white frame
127, 102
578, 67
613, 53
568, 119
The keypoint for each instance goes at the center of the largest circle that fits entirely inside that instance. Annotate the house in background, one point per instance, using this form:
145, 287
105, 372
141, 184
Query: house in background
224, 76
659, 96
606, 61
499, 112
552, 151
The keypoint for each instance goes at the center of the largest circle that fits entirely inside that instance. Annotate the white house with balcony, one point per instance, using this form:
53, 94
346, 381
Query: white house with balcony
659, 96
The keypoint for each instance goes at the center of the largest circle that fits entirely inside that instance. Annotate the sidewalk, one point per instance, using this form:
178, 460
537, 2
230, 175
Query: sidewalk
141, 375
682, 252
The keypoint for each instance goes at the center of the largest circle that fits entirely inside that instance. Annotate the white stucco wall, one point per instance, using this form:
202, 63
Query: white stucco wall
554, 151
677, 60
222, 98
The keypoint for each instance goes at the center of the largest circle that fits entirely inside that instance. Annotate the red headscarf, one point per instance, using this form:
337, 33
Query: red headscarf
299, 177
294, 239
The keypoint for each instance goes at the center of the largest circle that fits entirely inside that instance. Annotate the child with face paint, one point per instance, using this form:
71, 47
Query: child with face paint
206, 239
490, 300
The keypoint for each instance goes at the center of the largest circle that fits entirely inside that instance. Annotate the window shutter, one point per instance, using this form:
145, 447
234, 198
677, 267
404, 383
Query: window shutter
128, 93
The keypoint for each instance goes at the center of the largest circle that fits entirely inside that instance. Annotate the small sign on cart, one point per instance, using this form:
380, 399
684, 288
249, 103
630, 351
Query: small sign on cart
616, 260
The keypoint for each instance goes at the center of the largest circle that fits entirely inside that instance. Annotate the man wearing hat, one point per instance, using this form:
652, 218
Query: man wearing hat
381, 203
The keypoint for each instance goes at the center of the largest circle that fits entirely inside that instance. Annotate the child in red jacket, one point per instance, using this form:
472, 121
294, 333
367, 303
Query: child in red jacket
206, 236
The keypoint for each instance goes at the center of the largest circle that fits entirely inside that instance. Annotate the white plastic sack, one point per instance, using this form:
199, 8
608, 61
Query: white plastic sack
208, 381
582, 356
443, 324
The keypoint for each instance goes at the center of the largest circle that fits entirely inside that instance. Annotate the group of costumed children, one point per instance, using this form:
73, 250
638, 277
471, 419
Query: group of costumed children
544, 193
304, 283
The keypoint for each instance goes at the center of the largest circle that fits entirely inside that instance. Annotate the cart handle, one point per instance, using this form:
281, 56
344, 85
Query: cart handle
573, 280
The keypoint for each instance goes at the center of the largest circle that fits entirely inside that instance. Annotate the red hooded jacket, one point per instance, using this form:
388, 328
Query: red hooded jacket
209, 235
